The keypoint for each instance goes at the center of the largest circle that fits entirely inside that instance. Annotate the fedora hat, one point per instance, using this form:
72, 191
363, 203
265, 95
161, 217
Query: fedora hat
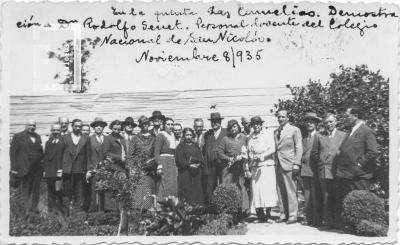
98, 121
155, 115
129, 121
256, 120
142, 120
215, 116
312, 116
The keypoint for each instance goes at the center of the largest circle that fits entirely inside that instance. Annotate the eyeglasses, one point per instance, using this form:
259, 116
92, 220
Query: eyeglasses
169, 124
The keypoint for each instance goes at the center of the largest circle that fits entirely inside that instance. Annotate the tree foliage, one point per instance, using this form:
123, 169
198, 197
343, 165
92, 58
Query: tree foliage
357, 85
65, 54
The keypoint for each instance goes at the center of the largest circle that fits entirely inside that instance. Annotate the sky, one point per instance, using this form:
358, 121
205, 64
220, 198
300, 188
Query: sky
293, 56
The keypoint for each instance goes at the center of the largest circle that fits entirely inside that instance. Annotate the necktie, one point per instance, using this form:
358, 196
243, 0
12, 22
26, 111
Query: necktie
279, 133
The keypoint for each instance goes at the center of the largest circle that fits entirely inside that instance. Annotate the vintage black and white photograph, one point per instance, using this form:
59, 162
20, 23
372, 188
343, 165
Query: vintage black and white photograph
203, 122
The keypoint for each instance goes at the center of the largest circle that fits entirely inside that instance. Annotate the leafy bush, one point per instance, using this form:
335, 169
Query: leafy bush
174, 218
218, 226
357, 85
227, 199
102, 218
368, 228
363, 210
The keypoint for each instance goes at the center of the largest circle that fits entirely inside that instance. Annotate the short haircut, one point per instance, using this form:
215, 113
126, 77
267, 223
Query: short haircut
282, 109
329, 114
198, 120
185, 130
75, 121
55, 124
86, 125
178, 124
167, 119
115, 122
358, 111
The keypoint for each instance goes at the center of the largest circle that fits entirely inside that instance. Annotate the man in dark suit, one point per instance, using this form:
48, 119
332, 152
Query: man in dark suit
288, 155
325, 151
91, 203
53, 167
75, 158
157, 118
357, 156
309, 173
26, 157
212, 167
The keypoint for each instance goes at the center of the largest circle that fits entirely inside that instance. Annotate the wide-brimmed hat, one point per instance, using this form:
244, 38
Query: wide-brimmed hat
157, 115
312, 116
256, 120
98, 121
129, 121
142, 120
215, 116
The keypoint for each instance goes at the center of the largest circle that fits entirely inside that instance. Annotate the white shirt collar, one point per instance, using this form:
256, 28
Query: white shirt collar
216, 133
333, 133
75, 138
356, 127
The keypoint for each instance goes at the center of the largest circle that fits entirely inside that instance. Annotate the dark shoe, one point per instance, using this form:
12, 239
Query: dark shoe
280, 220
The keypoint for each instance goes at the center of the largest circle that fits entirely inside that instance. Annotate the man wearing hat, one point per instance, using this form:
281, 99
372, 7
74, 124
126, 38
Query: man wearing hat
128, 125
288, 160
245, 121
157, 119
309, 172
212, 139
96, 156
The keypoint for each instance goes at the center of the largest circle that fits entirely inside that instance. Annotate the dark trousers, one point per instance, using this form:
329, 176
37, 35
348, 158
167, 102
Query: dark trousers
90, 202
73, 188
342, 188
30, 189
54, 198
328, 200
211, 182
312, 200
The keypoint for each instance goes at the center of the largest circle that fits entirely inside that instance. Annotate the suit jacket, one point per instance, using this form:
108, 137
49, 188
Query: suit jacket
75, 161
96, 152
358, 154
308, 163
289, 148
24, 154
153, 132
112, 147
52, 158
326, 151
210, 149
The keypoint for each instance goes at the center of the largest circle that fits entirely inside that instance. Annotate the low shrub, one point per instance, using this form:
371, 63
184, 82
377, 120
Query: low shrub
368, 228
362, 209
227, 199
218, 226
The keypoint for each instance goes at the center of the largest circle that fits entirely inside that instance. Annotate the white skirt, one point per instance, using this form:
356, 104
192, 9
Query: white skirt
263, 187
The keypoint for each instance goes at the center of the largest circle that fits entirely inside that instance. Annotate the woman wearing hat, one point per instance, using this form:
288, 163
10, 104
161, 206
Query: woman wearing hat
140, 158
164, 154
261, 150
230, 151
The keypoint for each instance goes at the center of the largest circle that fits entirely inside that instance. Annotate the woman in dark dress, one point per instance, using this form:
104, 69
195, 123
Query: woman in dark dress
140, 159
189, 162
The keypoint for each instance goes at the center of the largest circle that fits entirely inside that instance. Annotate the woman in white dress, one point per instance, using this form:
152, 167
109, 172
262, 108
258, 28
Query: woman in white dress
261, 150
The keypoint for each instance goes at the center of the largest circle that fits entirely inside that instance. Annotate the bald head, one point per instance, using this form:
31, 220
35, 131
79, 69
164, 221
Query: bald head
30, 125
63, 121
55, 130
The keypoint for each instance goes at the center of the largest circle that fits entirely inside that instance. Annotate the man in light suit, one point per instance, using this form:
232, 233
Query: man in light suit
357, 156
325, 151
309, 173
26, 156
213, 166
288, 155
75, 158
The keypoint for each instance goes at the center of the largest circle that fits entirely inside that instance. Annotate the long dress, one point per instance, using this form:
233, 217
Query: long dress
263, 179
233, 147
189, 179
164, 154
140, 151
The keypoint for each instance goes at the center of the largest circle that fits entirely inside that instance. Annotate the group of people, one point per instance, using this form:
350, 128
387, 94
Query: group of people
264, 163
